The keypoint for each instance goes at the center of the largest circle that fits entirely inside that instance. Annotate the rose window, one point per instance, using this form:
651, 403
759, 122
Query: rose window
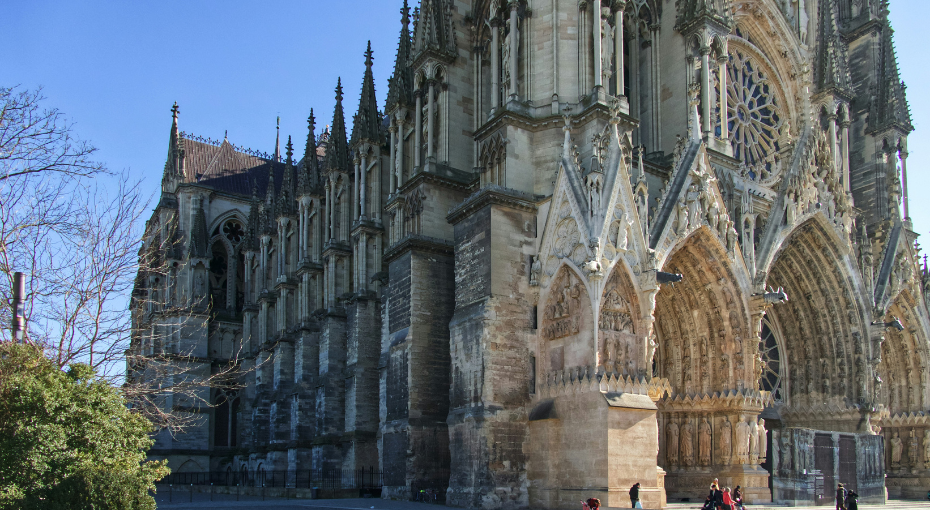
771, 357
754, 117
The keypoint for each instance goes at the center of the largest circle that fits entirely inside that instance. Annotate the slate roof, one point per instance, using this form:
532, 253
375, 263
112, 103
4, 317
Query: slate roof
223, 168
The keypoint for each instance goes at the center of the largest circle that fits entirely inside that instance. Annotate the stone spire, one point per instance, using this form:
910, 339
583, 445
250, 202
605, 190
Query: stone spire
252, 229
174, 164
268, 208
400, 88
288, 194
433, 31
337, 153
889, 108
832, 63
308, 176
368, 119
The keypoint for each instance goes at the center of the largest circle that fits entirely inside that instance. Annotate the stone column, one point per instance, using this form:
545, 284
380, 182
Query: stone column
844, 150
363, 194
430, 122
618, 49
514, 49
418, 130
393, 166
833, 142
495, 63
263, 263
247, 276
363, 262
315, 231
596, 35
331, 208
355, 195
344, 223
902, 153
705, 91
400, 154
724, 103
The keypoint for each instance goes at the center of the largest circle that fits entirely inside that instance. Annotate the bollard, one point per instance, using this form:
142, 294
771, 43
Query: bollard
237, 492
211, 491
192, 493
263, 491
170, 493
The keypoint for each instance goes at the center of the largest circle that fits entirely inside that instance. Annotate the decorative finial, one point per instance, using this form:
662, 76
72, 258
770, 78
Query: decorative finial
311, 121
226, 135
368, 55
290, 149
339, 89
175, 111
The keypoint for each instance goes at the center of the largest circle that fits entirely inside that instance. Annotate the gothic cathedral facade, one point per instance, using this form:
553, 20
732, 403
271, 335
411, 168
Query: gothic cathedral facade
585, 243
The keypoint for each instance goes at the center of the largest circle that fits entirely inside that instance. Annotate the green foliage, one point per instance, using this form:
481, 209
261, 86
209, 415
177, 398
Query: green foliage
67, 439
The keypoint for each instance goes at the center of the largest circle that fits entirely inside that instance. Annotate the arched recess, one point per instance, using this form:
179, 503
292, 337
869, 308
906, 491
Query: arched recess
822, 328
566, 324
702, 323
622, 347
903, 378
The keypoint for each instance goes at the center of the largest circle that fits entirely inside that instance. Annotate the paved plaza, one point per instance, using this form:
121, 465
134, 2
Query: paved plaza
186, 501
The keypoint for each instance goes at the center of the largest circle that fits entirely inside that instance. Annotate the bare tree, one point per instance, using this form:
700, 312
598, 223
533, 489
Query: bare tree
78, 231
35, 140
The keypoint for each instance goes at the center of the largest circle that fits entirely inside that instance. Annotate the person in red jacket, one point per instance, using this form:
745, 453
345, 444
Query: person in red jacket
727, 500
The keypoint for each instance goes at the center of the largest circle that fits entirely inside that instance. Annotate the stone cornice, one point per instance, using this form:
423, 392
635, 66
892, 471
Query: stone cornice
419, 243
592, 110
493, 195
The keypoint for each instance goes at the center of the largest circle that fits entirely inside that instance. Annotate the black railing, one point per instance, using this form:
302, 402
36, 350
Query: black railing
326, 480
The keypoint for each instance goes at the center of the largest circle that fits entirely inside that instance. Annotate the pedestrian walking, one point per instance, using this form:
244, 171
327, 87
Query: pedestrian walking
634, 496
738, 498
852, 500
840, 497
727, 499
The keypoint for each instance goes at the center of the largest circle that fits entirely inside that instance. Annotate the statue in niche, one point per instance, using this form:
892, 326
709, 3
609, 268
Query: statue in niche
704, 442
535, 270
785, 452
620, 230
913, 449
505, 60
753, 444
642, 210
607, 45
897, 447
742, 442
763, 440
726, 442
694, 205
687, 444
671, 443
927, 449
682, 218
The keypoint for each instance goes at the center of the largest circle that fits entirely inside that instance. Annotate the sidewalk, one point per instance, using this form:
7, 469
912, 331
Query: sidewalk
202, 501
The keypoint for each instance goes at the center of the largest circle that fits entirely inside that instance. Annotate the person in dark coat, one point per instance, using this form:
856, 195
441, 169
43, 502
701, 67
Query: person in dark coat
852, 500
709, 502
738, 498
718, 499
634, 495
840, 497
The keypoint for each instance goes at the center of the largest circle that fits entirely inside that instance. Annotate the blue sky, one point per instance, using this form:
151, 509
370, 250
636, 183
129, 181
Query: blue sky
116, 66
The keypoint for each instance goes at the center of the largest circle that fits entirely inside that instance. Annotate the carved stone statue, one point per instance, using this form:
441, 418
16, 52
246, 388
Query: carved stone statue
725, 439
607, 45
785, 452
505, 60
742, 442
687, 444
913, 449
704, 443
927, 448
753, 444
535, 270
671, 443
763, 440
897, 448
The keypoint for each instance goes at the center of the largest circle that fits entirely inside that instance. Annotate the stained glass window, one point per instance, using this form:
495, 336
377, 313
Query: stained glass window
754, 118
